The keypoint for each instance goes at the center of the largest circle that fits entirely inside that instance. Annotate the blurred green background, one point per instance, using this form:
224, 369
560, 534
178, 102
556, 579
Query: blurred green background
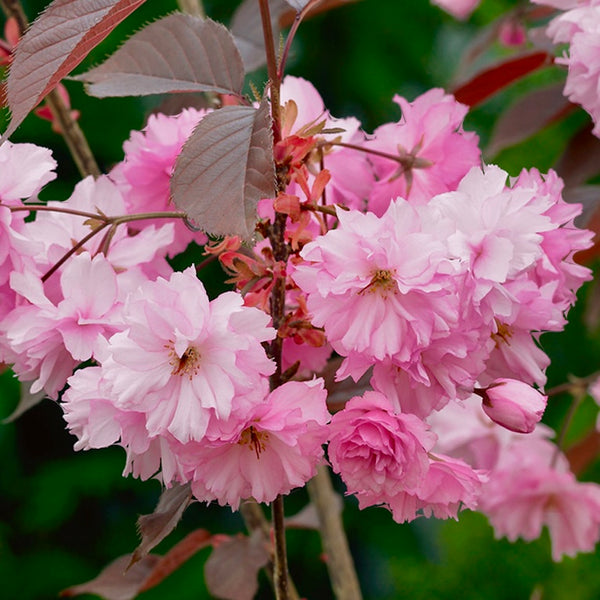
65, 515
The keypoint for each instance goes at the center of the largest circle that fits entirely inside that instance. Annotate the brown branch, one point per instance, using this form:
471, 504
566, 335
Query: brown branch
255, 521
335, 543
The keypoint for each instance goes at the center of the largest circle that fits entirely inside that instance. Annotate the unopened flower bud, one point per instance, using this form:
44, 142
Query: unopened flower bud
513, 404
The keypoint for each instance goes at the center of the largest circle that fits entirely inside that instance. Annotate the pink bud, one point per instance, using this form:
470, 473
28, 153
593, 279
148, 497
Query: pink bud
513, 404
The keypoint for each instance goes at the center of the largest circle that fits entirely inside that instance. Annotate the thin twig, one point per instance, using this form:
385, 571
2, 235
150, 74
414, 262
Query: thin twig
335, 544
255, 520
265, 14
280, 571
292, 34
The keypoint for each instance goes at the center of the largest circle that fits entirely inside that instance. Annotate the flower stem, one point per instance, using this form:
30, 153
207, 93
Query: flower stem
335, 543
255, 520
280, 571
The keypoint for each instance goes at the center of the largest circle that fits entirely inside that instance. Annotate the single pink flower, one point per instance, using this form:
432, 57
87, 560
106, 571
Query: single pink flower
273, 450
185, 361
377, 452
436, 153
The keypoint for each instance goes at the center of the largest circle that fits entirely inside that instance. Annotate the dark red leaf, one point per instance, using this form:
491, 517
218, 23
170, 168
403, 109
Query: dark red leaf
582, 454
176, 556
581, 158
495, 78
225, 168
528, 115
58, 40
232, 568
115, 582
155, 527
178, 53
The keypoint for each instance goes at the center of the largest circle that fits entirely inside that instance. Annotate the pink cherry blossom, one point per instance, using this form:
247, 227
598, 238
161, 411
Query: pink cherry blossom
378, 453
275, 449
386, 291
183, 360
435, 150
526, 492
48, 339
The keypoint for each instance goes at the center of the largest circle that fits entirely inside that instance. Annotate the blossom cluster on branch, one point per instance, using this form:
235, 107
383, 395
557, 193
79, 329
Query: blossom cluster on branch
429, 274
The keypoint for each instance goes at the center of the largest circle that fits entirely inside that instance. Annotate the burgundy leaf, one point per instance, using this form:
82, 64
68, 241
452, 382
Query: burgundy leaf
115, 581
27, 400
178, 53
232, 568
176, 556
492, 80
246, 26
581, 158
528, 115
589, 198
582, 454
155, 527
58, 40
225, 168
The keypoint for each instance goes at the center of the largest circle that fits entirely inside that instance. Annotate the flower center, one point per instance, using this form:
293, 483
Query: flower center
256, 440
382, 282
186, 364
503, 334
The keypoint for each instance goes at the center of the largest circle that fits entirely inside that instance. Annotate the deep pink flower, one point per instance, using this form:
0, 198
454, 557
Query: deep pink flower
377, 452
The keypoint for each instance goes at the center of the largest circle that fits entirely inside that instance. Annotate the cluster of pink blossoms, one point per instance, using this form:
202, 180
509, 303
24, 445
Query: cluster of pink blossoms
433, 283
